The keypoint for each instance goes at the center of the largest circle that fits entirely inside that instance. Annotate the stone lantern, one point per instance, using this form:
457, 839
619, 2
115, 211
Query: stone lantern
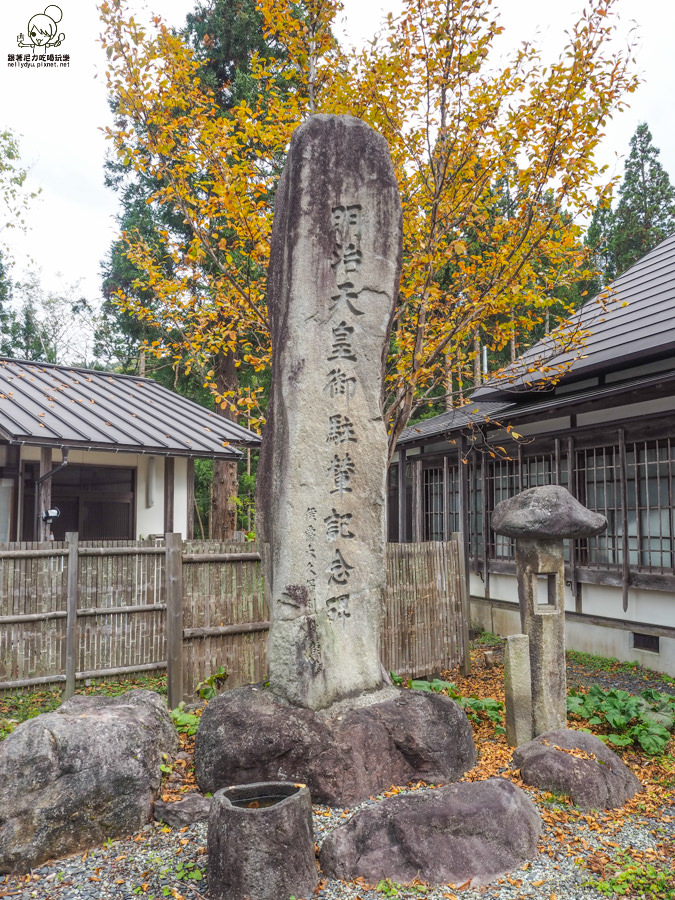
540, 519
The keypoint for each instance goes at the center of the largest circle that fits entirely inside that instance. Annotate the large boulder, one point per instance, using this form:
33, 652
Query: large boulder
246, 735
578, 764
473, 831
71, 779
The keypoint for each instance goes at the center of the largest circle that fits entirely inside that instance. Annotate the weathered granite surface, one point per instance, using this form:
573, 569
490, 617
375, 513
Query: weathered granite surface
178, 813
473, 831
578, 764
548, 512
71, 779
517, 690
333, 278
246, 735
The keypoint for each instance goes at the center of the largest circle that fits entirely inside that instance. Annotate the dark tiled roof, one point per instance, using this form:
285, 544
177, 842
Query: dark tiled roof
48, 405
637, 324
452, 420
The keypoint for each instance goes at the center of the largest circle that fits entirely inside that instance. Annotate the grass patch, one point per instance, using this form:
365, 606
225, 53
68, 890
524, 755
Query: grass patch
600, 663
487, 639
20, 706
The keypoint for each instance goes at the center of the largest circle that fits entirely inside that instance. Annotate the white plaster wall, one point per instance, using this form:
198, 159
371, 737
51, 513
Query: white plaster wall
665, 404
180, 496
646, 607
653, 607
617, 643
494, 619
476, 586
504, 587
149, 519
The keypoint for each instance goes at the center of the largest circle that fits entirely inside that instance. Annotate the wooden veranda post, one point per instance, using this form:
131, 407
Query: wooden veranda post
465, 666
174, 618
402, 505
625, 554
72, 538
43, 491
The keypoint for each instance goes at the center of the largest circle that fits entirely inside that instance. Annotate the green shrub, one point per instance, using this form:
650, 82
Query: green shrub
475, 708
628, 720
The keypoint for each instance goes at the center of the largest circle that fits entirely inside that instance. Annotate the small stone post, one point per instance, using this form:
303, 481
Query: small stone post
539, 519
517, 690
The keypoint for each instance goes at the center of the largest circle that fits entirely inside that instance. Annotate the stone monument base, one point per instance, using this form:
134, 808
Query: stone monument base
344, 754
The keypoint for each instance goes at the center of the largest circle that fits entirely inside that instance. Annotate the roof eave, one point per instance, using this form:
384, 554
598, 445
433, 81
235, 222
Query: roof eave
228, 453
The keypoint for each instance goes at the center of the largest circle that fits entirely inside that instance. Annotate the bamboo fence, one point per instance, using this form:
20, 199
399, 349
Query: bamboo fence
76, 611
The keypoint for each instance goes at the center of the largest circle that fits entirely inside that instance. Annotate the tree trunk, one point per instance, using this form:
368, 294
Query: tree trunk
449, 396
477, 379
225, 476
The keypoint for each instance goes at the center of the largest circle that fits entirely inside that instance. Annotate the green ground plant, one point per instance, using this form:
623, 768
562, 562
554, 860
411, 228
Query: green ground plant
389, 888
186, 722
211, 686
626, 719
188, 871
487, 639
635, 878
475, 708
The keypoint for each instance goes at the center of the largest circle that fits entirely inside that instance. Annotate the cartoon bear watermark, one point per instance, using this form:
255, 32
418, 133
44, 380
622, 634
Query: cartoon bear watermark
43, 30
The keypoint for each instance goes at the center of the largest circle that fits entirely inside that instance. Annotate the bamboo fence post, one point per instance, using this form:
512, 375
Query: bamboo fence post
174, 618
71, 614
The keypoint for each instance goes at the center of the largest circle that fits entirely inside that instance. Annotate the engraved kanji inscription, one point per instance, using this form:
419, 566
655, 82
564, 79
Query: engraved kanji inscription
340, 430
342, 342
339, 570
347, 294
346, 221
340, 384
310, 535
337, 525
341, 468
338, 608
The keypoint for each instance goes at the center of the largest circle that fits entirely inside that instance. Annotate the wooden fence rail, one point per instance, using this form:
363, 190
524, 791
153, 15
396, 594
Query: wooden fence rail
76, 611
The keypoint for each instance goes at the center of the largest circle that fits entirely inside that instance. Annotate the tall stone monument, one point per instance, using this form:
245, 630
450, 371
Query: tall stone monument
326, 719
333, 279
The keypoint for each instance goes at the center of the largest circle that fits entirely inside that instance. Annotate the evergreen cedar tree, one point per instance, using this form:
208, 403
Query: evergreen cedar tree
464, 132
645, 213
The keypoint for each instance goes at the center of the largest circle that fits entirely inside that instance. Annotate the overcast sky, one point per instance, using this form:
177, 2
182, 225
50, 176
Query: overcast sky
58, 113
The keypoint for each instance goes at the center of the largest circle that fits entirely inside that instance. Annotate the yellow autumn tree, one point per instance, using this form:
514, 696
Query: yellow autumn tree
465, 131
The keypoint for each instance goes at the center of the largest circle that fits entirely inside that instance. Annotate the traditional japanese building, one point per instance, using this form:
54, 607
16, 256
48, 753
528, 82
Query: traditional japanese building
605, 429
114, 454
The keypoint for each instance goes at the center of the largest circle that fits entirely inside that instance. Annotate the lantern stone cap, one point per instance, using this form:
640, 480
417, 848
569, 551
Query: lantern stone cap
548, 512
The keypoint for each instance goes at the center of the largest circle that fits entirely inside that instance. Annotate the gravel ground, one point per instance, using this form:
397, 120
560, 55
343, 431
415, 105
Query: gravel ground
151, 864
163, 862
